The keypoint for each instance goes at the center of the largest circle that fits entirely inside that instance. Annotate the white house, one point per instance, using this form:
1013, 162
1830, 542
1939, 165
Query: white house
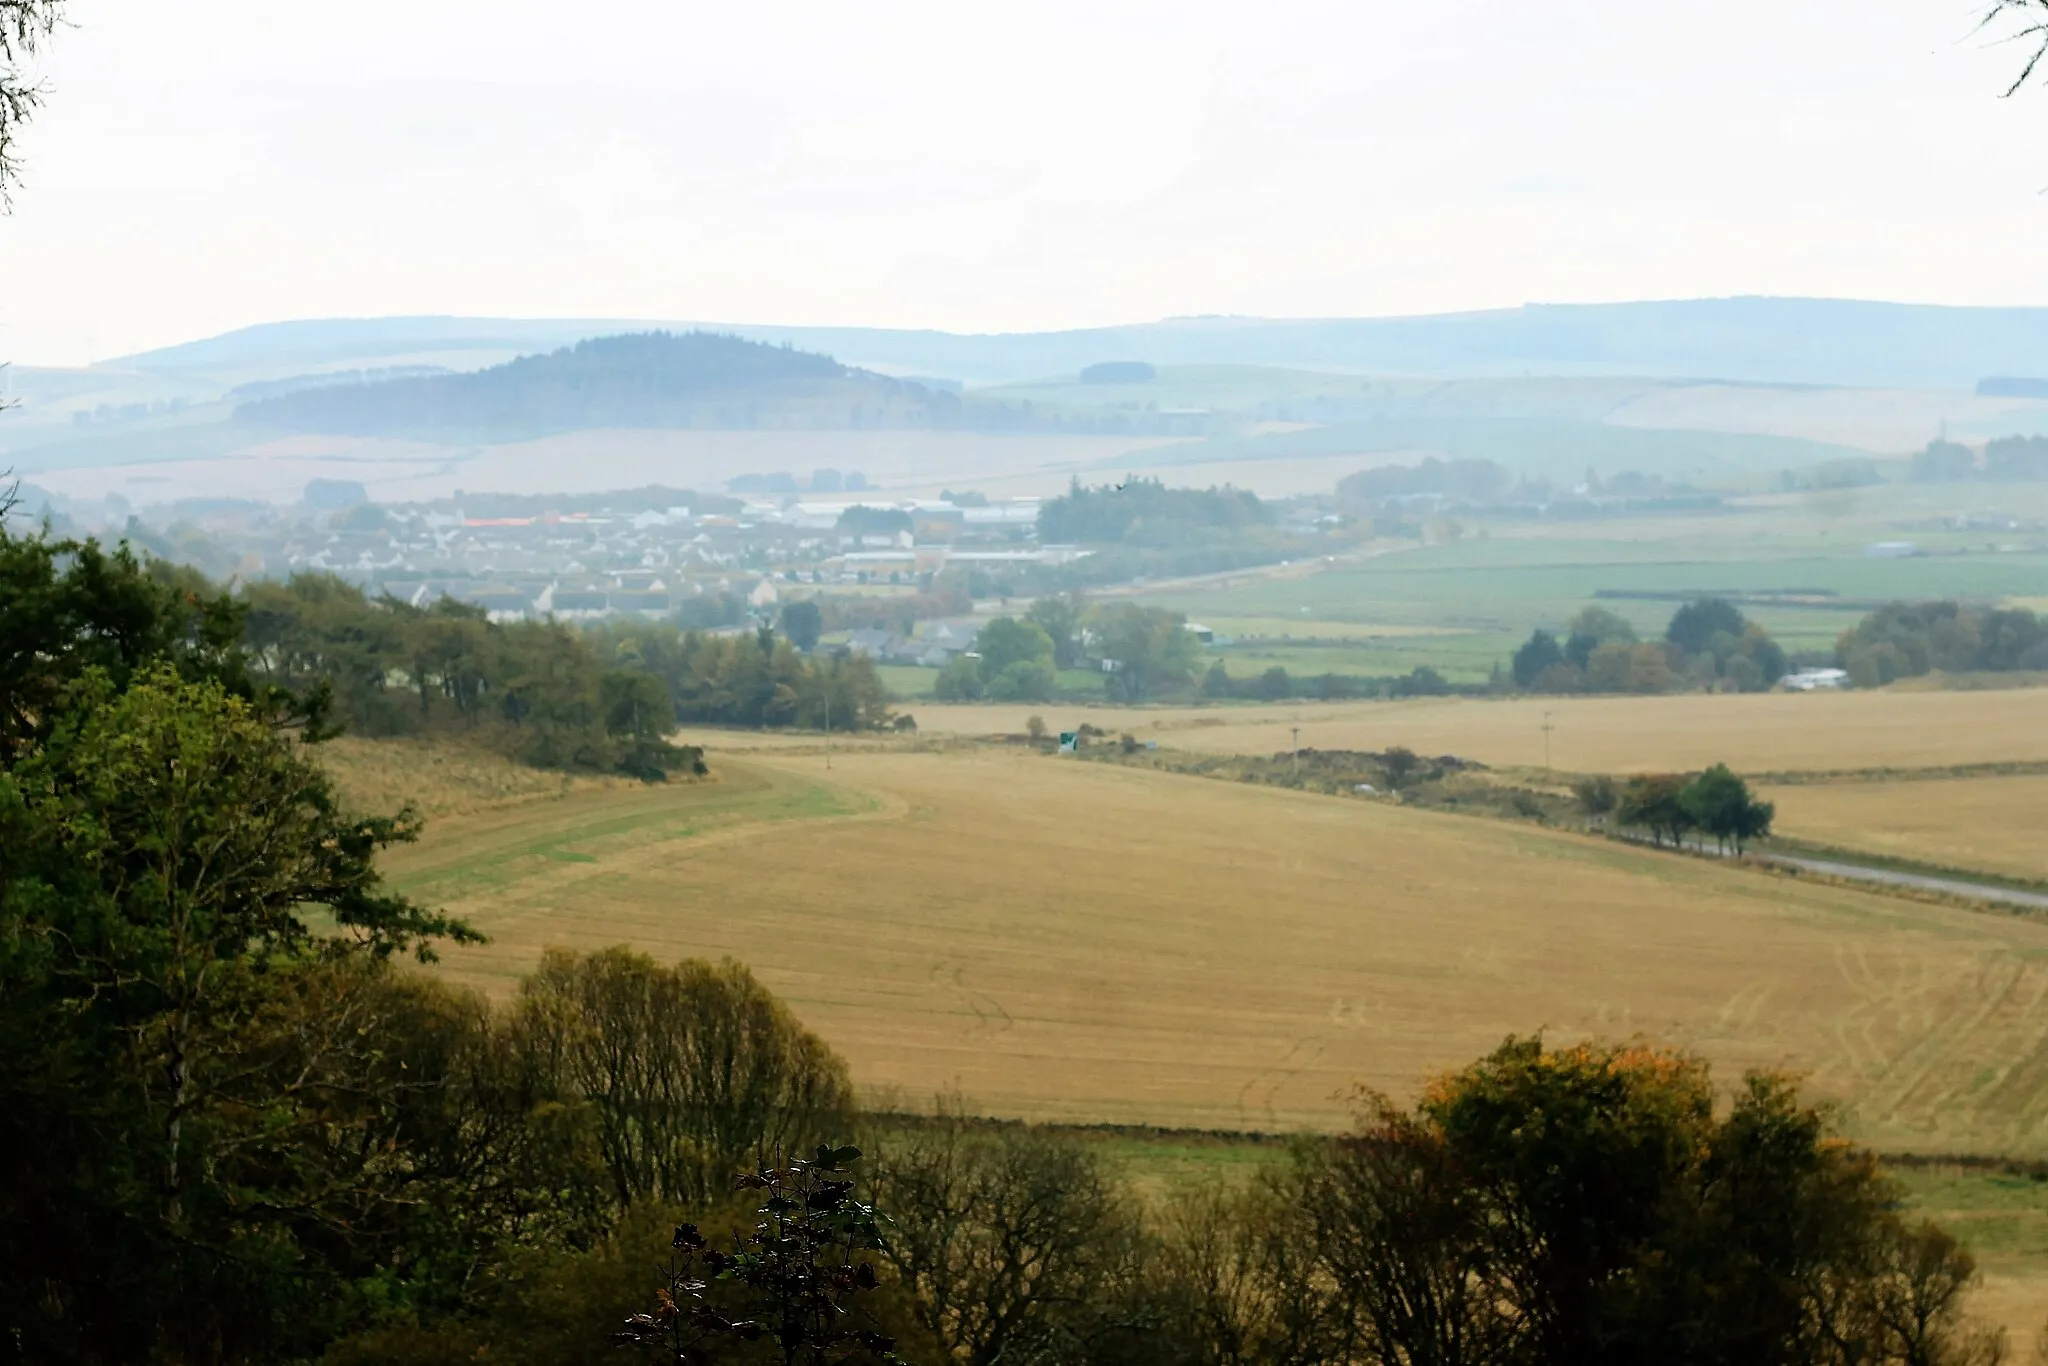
1811, 680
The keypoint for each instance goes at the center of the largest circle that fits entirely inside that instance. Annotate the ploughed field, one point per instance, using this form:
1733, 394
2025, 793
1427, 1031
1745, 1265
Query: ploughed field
1754, 733
1065, 940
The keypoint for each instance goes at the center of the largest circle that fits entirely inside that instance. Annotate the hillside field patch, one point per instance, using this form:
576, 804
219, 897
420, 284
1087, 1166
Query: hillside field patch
1092, 943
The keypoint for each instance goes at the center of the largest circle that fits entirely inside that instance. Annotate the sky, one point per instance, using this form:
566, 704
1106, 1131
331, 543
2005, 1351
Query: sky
982, 167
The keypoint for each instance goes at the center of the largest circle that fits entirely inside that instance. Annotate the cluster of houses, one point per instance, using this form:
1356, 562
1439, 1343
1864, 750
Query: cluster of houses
636, 561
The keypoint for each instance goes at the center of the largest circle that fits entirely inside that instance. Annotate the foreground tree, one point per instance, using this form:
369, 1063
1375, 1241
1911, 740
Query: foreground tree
2025, 22
165, 850
802, 1272
1016, 1244
1588, 1205
687, 1073
25, 25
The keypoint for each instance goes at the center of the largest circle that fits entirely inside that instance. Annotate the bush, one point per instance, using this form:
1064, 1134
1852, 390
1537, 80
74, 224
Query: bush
1030, 680
1589, 1205
959, 681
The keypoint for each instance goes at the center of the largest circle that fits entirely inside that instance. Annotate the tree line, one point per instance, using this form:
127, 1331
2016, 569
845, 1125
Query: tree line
2007, 459
550, 694
1904, 640
1708, 644
1139, 652
1669, 806
1141, 528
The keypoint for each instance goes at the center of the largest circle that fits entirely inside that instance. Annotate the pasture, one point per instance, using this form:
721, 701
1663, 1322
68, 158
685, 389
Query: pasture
1481, 596
1754, 733
1084, 942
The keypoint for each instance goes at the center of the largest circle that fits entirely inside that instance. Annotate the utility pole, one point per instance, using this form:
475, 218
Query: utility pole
828, 723
1547, 728
1297, 751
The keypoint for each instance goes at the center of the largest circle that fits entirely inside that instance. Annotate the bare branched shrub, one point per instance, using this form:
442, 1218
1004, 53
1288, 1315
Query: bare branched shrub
691, 1073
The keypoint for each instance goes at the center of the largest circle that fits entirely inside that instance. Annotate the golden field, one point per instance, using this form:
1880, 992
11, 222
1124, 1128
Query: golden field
440, 780
1065, 940
1761, 732
1985, 824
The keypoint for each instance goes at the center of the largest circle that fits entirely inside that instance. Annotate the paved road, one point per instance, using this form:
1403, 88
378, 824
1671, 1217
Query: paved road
1954, 886
1982, 891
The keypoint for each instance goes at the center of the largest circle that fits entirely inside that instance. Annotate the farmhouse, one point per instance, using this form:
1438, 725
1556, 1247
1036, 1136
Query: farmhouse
1811, 680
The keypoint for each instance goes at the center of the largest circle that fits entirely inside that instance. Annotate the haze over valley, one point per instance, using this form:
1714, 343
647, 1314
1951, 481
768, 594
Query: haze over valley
957, 686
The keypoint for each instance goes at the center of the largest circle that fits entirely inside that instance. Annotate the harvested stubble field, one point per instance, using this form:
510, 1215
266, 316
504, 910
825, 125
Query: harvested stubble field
1995, 824
1087, 942
441, 780
1756, 733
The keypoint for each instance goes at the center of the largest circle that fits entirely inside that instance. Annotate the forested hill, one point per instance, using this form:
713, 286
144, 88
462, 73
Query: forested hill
649, 379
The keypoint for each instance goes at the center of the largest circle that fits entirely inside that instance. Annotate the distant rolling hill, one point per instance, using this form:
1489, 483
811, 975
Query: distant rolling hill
1554, 447
1779, 340
652, 379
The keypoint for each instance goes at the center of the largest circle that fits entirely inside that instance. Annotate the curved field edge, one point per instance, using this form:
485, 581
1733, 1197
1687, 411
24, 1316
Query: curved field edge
1086, 943
1775, 733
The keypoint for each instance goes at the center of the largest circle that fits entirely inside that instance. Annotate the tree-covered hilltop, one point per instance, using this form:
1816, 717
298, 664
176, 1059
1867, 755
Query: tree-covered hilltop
649, 379
1146, 512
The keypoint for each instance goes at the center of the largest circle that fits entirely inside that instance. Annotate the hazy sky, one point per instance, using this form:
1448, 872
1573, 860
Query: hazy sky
212, 163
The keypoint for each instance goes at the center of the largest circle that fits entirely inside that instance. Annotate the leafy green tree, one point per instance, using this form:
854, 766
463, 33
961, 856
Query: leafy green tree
1060, 619
1398, 764
1421, 681
69, 607
1146, 512
1596, 795
1274, 685
1027, 680
1151, 649
842, 693
1694, 626
1903, 640
1216, 682
803, 622
164, 854
1650, 801
1720, 803
1592, 628
1536, 657
959, 681
1007, 641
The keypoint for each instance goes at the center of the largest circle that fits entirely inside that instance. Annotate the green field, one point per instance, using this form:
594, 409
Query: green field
1490, 593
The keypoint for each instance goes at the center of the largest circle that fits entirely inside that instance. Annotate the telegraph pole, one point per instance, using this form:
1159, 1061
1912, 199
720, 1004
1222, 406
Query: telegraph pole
1547, 728
1297, 750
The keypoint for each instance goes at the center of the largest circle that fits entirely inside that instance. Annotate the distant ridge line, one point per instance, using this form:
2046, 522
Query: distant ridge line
1746, 339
